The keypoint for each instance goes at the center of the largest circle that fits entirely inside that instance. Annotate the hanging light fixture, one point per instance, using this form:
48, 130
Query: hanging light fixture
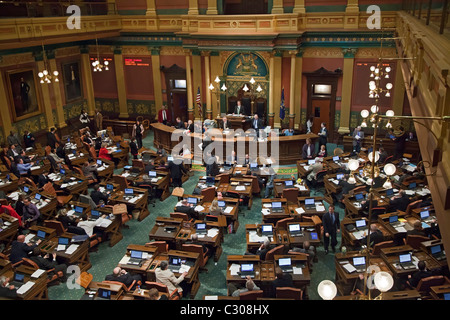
245, 88
97, 66
45, 75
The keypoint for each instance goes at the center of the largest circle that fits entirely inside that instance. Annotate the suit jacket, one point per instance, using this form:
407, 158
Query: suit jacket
7, 293
179, 125
127, 279
225, 125
20, 250
176, 170
323, 136
400, 203
160, 116
305, 151
419, 275
328, 225
96, 196
51, 139
167, 278
259, 124
375, 237
44, 263
133, 148
134, 134
240, 111
190, 211
285, 281
98, 117
357, 141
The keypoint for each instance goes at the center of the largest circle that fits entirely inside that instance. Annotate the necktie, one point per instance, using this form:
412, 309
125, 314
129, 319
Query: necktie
256, 124
332, 217
164, 114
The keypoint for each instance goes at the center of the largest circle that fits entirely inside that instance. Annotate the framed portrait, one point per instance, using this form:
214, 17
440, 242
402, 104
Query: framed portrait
23, 94
72, 81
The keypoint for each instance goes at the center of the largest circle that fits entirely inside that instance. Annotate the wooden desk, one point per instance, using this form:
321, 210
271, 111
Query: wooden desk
117, 290
161, 231
9, 230
426, 246
300, 280
191, 278
352, 239
280, 184
78, 184
390, 295
268, 216
308, 230
438, 292
407, 224
240, 259
105, 171
161, 182
47, 206
411, 147
143, 268
10, 185
310, 212
113, 231
251, 229
243, 186
141, 196
38, 291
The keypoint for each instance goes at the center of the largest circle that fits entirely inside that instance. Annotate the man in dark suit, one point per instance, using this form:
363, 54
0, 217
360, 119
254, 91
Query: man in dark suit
134, 150
346, 187
187, 208
331, 223
365, 206
194, 240
97, 195
417, 230
190, 126
19, 249
124, 277
399, 202
283, 279
42, 179
179, 124
308, 150
163, 115
7, 290
225, 124
323, 134
176, 173
239, 109
263, 249
257, 124
376, 236
422, 273
51, 138
48, 261
400, 143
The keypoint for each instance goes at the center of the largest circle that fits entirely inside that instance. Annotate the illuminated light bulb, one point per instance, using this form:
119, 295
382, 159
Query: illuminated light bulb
353, 164
259, 89
371, 95
55, 73
252, 81
386, 76
364, 124
211, 87
224, 87
383, 281
389, 169
364, 113
40, 74
388, 125
390, 113
377, 70
388, 69
327, 290
56, 80
45, 72
389, 86
106, 62
245, 88
106, 68
387, 94
372, 68
374, 108
42, 81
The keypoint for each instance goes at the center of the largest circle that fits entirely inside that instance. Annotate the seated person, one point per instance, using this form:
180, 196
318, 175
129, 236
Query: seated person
422, 273
48, 261
376, 236
399, 202
365, 206
31, 213
194, 240
307, 248
314, 169
90, 170
23, 168
179, 124
68, 222
20, 249
214, 209
161, 151
187, 208
153, 294
97, 195
104, 153
236, 289
232, 157
166, 277
121, 275
346, 187
7, 290
417, 230
88, 226
263, 249
322, 151
283, 279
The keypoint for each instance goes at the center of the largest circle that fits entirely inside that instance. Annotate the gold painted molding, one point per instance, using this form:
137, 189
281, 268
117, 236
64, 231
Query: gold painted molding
322, 52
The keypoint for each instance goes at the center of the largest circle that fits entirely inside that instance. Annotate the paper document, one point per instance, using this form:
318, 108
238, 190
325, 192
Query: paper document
267, 205
300, 210
320, 207
199, 208
234, 269
105, 223
349, 268
213, 232
211, 297
297, 270
228, 210
124, 260
61, 247
28, 237
358, 235
72, 248
265, 211
37, 273
25, 287
400, 229
240, 188
184, 268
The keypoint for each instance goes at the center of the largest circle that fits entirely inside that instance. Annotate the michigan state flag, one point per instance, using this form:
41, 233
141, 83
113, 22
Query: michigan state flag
282, 108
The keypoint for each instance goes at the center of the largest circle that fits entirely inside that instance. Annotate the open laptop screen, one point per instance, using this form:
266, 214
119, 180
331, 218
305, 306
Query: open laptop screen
136, 254
424, 214
336, 158
152, 173
19, 277
266, 228
200, 226
41, 234
360, 223
63, 241
294, 227
95, 213
106, 294
109, 187
358, 261
405, 257
393, 219
247, 267
288, 183
412, 185
221, 203
359, 196
192, 200
99, 162
339, 176
309, 202
78, 209
284, 262
128, 191
37, 196
435, 249
276, 204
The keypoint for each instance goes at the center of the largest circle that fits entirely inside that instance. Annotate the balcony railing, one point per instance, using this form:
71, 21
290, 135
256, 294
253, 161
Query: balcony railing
434, 13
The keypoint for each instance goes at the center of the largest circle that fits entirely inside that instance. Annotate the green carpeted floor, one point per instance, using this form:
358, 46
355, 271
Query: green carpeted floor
213, 282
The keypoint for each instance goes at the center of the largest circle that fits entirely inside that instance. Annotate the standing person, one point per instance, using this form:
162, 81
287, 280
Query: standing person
400, 143
309, 125
98, 117
331, 225
84, 118
358, 137
257, 124
134, 150
163, 115
138, 132
308, 150
28, 139
13, 139
176, 173
52, 139
238, 109
165, 276
30, 213
323, 134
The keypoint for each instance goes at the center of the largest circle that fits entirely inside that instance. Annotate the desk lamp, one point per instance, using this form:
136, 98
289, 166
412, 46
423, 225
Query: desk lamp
352, 166
389, 170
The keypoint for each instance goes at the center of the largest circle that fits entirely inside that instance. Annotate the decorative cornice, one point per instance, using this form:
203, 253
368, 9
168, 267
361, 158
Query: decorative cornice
349, 52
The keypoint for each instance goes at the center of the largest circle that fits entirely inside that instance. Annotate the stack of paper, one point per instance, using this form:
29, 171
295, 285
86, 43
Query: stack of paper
35, 168
400, 229
70, 212
28, 237
105, 223
126, 174
184, 268
37, 273
25, 287
265, 211
320, 207
125, 259
61, 247
306, 168
350, 268
234, 269
228, 210
358, 235
199, 208
72, 248
240, 188
213, 232
300, 210
297, 270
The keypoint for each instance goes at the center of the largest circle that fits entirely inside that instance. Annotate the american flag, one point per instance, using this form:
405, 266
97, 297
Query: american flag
199, 103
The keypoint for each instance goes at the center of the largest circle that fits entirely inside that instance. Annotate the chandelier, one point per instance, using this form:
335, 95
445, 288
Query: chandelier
97, 65
45, 75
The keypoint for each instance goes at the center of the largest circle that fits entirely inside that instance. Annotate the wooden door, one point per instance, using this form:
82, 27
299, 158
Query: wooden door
320, 113
179, 105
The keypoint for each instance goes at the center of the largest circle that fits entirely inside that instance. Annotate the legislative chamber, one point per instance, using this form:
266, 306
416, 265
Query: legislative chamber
220, 150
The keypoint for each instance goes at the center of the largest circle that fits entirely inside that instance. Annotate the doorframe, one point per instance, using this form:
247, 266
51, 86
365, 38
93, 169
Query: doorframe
172, 73
323, 76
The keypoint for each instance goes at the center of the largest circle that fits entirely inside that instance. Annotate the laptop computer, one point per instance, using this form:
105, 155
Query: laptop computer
361, 224
63, 241
103, 294
18, 280
192, 200
40, 235
389, 192
109, 187
253, 166
393, 221
336, 158
288, 183
135, 172
152, 174
247, 270
267, 230
99, 162
277, 207
62, 171
174, 264
37, 198
412, 185
437, 253
425, 216
309, 204
210, 181
129, 192
359, 263
295, 230
359, 197
200, 228
285, 264
339, 176
135, 257
222, 204
406, 261
446, 296
310, 162
94, 215
26, 189
78, 210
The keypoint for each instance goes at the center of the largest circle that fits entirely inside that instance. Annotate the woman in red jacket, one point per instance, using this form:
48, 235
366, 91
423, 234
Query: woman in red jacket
104, 153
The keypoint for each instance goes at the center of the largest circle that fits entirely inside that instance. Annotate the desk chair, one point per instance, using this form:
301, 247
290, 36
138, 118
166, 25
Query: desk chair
127, 289
376, 212
414, 240
80, 172
209, 194
318, 181
29, 181
138, 163
55, 224
163, 246
289, 293
376, 250
411, 206
425, 284
304, 255
234, 195
52, 277
151, 195
338, 151
291, 195
6, 161
203, 257
180, 215
174, 295
279, 250
317, 224
282, 223
388, 159
256, 190
60, 195
223, 178
251, 295
87, 200
122, 181
92, 153
358, 189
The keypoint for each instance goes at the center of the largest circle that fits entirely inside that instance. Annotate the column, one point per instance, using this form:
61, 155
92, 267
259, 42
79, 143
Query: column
292, 91
277, 63
271, 80
87, 79
60, 121
277, 7
193, 7
347, 79
351, 15
190, 98
299, 6
46, 98
197, 81
156, 74
216, 70
298, 91
151, 8
207, 83
120, 79
212, 7
399, 91
111, 7
4, 110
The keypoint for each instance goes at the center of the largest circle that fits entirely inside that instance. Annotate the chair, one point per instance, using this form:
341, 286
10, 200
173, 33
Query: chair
255, 185
425, 284
279, 250
130, 288
122, 181
30, 182
93, 153
163, 247
251, 295
289, 293
305, 255
376, 250
209, 194
138, 163
80, 172
61, 197
51, 275
174, 295
203, 257
282, 223
179, 215
415, 240
291, 195
55, 224
223, 178
411, 206
87, 200
376, 212
338, 151
318, 182
388, 159
358, 190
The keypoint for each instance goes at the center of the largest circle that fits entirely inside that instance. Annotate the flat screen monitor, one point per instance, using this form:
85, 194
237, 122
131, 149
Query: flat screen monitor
179, 84
309, 202
136, 254
103, 293
360, 223
294, 227
276, 204
266, 228
336, 158
128, 191
358, 261
200, 226
284, 262
192, 200
247, 267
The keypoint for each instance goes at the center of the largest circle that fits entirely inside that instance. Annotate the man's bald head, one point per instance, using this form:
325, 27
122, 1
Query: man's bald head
21, 238
116, 270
